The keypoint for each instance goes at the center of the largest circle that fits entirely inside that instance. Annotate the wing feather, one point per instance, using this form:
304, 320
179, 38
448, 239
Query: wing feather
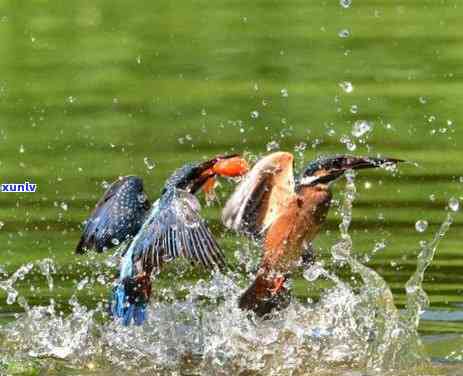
174, 229
117, 216
261, 196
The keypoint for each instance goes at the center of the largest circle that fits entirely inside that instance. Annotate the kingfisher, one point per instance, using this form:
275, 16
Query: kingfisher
284, 214
154, 234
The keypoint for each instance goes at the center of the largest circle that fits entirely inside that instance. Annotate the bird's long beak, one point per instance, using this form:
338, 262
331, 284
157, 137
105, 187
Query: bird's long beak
357, 163
333, 168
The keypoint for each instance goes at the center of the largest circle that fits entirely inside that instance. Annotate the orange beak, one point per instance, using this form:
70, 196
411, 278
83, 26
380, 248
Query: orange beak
231, 167
227, 166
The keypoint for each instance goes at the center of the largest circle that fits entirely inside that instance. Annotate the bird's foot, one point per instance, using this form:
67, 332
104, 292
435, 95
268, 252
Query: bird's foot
278, 285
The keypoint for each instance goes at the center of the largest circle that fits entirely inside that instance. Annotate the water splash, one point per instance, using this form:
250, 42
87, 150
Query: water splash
47, 268
205, 333
394, 341
7, 285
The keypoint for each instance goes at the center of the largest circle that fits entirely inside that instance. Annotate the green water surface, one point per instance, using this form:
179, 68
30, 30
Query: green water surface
89, 89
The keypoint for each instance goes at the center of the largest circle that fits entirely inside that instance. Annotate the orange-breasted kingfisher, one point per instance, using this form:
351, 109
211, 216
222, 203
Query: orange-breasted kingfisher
285, 214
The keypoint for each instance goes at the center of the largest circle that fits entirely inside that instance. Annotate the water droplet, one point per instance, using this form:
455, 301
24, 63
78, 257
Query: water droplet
11, 298
64, 206
367, 185
344, 139
300, 148
421, 225
354, 109
115, 241
423, 100
2, 224
138, 59
21, 149
331, 132
82, 283
71, 99
345, 3
284, 92
101, 279
351, 146
313, 273
105, 184
203, 112
273, 145
149, 163
432, 197
360, 128
461, 179
379, 246
344, 33
346, 86
454, 204
254, 114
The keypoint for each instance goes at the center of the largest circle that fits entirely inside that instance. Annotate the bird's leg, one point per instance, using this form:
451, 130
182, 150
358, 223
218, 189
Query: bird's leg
265, 294
138, 288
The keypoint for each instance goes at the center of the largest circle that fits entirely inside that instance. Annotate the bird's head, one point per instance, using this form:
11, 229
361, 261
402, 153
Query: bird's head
202, 175
326, 170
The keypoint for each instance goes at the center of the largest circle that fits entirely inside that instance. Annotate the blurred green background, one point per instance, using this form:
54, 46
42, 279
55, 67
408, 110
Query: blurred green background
91, 90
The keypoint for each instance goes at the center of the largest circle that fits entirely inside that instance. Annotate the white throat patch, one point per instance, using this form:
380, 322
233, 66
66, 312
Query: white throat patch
307, 180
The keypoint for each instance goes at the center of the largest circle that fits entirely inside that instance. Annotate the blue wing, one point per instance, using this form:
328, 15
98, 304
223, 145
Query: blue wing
117, 216
173, 229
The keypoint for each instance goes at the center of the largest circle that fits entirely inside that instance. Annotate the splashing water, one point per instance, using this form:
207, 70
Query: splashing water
206, 333
394, 340
7, 285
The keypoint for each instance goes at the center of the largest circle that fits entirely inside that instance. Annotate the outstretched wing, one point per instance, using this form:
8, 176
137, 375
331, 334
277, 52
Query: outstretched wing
173, 229
118, 215
261, 196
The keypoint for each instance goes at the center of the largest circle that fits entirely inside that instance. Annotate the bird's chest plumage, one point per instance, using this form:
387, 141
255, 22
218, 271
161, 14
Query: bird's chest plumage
301, 221
314, 208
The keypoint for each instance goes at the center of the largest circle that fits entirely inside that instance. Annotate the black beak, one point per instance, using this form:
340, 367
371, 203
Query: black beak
356, 163
325, 170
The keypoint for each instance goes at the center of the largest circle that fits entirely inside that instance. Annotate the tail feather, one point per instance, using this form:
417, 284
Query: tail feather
135, 313
118, 301
130, 299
